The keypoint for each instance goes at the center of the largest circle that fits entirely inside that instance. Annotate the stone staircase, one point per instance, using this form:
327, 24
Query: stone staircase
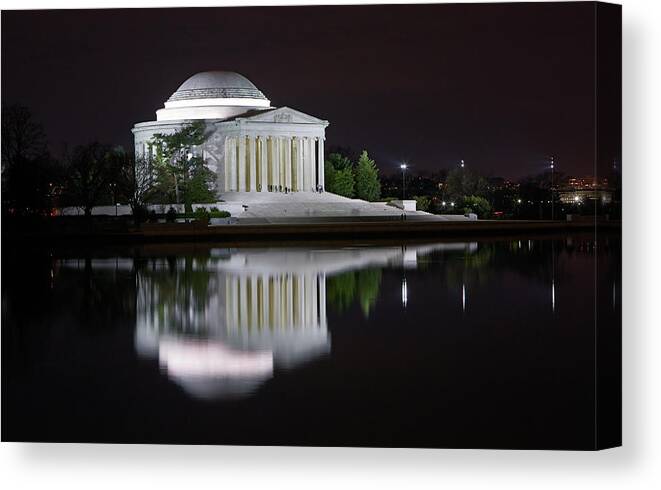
259, 207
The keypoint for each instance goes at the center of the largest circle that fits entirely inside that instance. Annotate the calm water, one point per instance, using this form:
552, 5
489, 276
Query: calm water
459, 344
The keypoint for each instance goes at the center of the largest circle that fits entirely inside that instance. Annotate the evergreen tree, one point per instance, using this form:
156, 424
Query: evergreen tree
344, 183
368, 185
338, 174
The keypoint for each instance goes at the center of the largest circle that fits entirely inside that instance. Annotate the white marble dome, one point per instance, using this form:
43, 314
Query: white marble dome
213, 95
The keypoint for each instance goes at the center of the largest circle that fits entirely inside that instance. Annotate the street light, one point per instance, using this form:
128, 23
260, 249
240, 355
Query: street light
552, 196
403, 166
462, 164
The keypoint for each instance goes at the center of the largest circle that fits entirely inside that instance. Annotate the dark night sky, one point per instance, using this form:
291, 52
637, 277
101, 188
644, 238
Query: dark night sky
500, 85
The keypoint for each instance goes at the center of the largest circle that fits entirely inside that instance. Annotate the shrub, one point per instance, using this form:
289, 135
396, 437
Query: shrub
171, 215
422, 203
201, 214
477, 205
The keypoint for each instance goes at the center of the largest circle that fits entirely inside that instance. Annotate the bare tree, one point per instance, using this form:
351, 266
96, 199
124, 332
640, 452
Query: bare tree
90, 170
22, 137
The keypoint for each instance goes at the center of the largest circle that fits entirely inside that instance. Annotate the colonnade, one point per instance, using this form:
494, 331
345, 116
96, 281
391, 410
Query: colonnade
259, 163
276, 301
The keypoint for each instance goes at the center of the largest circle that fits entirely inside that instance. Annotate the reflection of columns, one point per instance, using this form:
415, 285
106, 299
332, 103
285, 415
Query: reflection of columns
276, 302
290, 299
253, 164
264, 300
280, 301
242, 163
243, 302
322, 299
254, 300
235, 302
315, 300
264, 162
320, 160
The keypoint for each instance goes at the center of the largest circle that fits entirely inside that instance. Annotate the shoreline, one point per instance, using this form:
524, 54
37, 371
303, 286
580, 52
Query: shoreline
194, 232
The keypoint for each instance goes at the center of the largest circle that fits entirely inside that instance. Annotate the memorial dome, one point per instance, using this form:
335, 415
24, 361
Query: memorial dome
213, 95
217, 85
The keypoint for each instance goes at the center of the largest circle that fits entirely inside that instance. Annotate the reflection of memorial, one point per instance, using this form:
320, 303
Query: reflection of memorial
222, 324
229, 340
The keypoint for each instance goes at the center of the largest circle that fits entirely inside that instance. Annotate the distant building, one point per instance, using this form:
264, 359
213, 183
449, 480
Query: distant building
582, 189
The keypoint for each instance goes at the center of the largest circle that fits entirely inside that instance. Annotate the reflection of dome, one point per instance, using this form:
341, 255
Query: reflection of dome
217, 85
213, 95
209, 369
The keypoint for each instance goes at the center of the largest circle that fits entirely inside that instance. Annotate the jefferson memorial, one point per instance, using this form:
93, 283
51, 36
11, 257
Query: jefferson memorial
269, 161
251, 145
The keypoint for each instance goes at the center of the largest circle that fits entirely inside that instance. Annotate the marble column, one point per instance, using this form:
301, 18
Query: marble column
311, 163
253, 164
231, 145
276, 163
300, 174
320, 160
264, 162
242, 163
226, 164
288, 175
304, 158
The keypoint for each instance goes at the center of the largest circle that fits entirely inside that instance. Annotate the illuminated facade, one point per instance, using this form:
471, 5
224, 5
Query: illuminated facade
250, 145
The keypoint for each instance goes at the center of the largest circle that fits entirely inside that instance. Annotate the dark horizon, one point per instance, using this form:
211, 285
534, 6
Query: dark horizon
502, 86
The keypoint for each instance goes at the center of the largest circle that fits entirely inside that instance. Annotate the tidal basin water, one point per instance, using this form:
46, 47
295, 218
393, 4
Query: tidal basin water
475, 343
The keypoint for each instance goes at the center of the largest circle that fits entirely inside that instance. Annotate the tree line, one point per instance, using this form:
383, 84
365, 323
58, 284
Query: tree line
359, 179
34, 182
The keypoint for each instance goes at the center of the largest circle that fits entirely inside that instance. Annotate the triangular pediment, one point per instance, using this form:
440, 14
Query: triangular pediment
284, 115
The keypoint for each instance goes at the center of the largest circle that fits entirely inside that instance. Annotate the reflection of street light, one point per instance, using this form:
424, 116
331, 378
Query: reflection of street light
403, 166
